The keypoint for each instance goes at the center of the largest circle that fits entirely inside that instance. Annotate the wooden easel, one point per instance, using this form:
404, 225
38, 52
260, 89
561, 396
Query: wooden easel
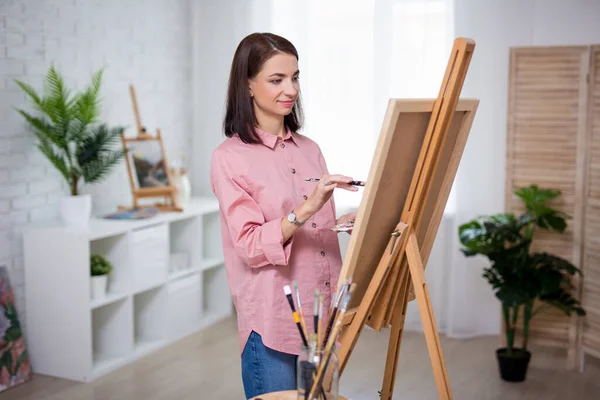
387, 254
166, 191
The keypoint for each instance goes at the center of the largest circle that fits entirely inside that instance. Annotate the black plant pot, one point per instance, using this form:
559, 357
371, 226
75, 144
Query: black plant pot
513, 368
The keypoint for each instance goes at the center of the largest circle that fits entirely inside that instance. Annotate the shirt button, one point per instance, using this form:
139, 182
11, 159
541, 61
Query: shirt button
323, 253
305, 197
293, 170
314, 226
327, 284
282, 145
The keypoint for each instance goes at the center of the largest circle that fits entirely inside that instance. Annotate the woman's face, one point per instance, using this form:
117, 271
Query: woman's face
275, 88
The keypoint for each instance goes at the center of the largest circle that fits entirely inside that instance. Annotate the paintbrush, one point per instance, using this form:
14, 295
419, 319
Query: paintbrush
319, 331
299, 306
330, 344
352, 183
288, 293
334, 311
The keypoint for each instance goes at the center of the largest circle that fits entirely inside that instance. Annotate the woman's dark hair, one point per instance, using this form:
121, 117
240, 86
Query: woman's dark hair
252, 52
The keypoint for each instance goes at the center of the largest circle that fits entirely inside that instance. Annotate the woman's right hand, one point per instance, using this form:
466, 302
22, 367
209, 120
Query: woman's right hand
323, 191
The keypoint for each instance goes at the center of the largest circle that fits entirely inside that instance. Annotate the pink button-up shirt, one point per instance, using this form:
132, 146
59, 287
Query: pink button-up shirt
257, 185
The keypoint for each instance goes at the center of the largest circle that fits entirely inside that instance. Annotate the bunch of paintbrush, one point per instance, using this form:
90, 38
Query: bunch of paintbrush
325, 330
327, 345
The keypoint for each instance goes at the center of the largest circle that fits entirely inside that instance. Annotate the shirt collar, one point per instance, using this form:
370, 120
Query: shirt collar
271, 140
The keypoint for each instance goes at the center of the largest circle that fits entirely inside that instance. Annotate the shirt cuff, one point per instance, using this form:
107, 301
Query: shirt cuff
276, 252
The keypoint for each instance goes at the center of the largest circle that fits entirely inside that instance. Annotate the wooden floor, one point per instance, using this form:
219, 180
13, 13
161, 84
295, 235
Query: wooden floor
206, 366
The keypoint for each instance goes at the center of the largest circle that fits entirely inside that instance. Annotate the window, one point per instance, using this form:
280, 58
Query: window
354, 56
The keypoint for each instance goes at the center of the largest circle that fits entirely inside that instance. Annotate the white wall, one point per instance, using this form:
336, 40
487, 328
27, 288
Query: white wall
217, 28
496, 26
144, 42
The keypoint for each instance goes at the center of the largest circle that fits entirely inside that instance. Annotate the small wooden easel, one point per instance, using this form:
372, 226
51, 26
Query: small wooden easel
400, 214
165, 188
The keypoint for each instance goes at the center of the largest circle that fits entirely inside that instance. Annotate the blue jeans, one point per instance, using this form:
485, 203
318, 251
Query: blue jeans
265, 370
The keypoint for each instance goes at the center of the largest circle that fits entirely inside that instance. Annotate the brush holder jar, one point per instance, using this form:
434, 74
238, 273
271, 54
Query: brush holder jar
312, 363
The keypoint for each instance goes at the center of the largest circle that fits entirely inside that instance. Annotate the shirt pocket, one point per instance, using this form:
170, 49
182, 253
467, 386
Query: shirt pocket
273, 196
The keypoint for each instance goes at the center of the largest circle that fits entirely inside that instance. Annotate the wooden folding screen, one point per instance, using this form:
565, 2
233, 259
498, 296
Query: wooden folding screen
590, 328
553, 109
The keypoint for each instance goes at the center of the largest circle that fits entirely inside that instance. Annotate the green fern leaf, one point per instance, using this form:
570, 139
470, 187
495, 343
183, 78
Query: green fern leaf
45, 146
44, 129
96, 170
98, 139
30, 91
86, 106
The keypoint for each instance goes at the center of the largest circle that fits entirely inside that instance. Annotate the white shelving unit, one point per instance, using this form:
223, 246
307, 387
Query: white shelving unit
148, 305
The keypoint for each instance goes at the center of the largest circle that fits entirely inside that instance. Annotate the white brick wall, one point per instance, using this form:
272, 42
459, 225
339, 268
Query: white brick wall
144, 42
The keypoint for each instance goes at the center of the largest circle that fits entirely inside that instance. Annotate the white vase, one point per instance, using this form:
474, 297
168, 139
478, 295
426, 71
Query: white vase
99, 284
186, 189
183, 188
75, 211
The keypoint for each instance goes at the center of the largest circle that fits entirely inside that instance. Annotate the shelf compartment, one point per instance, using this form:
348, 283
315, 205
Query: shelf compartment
184, 249
212, 244
216, 295
149, 314
115, 250
150, 256
185, 305
112, 341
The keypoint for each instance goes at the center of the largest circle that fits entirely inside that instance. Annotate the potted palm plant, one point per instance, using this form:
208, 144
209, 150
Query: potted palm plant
524, 281
70, 135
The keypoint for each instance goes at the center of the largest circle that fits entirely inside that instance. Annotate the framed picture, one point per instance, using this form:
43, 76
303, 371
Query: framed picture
147, 163
14, 360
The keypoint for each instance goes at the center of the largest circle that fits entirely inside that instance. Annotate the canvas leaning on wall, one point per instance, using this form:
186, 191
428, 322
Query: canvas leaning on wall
147, 163
14, 360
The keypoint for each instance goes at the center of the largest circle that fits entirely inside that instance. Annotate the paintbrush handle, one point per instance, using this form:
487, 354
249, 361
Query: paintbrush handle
330, 324
300, 329
329, 348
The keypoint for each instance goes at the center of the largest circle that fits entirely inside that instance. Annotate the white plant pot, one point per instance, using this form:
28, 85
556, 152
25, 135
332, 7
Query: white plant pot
76, 210
99, 285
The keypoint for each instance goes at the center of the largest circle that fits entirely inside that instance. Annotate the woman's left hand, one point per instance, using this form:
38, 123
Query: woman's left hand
350, 217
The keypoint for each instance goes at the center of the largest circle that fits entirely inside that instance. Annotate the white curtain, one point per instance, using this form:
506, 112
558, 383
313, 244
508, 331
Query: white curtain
354, 56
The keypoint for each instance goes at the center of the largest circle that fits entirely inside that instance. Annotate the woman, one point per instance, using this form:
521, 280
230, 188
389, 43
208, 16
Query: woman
275, 225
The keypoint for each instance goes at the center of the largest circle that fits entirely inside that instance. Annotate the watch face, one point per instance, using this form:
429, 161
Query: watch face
292, 217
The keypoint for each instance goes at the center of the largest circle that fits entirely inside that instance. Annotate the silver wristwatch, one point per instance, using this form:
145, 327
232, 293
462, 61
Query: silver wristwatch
294, 219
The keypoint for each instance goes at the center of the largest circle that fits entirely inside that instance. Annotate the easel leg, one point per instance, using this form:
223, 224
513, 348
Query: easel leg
391, 363
417, 274
350, 334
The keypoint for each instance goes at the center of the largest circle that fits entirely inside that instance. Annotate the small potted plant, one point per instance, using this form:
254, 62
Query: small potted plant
100, 269
69, 133
525, 282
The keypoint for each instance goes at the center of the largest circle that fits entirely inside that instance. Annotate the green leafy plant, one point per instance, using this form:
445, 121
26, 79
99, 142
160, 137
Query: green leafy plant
68, 131
99, 265
519, 276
